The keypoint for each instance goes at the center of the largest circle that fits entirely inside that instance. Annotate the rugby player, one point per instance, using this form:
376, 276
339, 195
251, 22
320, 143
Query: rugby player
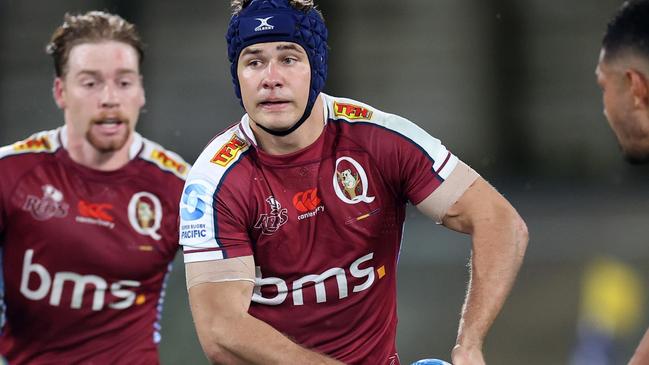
88, 211
291, 220
623, 75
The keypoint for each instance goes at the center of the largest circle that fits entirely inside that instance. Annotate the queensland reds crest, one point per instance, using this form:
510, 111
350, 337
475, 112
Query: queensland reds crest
270, 223
50, 205
145, 214
350, 181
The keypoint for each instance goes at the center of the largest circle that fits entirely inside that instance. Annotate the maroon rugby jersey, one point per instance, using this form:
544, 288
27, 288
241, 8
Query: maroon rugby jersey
324, 224
85, 253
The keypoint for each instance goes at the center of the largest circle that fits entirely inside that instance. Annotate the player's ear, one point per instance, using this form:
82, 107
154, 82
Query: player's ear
58, 92
639, 88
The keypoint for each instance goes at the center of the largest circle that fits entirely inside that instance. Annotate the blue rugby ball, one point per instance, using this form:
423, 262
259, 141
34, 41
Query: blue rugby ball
430, 362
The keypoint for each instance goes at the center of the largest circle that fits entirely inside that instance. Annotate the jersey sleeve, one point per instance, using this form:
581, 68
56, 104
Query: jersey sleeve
20, 157
211, 226
424, 163
213, 223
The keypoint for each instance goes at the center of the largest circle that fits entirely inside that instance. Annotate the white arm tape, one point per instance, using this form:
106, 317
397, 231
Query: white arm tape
216, 271
439, 201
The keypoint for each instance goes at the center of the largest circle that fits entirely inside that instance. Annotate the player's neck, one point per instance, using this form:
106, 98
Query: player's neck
302, 137
83, 153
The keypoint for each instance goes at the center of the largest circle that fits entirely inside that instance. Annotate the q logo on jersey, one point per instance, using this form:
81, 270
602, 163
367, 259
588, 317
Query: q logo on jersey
350, 181
145, 214
193, 207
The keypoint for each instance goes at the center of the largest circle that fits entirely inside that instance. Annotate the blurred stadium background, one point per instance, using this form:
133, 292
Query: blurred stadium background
508, 85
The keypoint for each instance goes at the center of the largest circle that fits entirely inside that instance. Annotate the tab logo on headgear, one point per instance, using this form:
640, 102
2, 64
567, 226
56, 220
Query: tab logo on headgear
263, 25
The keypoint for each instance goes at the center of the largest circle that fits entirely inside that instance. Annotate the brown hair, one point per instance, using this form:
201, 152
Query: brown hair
93, 26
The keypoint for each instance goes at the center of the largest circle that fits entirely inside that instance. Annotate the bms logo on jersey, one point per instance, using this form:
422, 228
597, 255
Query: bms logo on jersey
195, 212
281, 290
122, 290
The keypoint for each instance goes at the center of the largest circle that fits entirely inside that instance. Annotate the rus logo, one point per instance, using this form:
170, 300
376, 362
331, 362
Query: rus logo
50, 205
269, 223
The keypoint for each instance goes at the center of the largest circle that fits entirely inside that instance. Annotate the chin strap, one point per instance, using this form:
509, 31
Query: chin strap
286, 132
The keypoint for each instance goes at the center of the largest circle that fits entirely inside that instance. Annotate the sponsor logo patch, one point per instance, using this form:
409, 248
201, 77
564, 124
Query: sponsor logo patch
307, 202
194, 204
358, 277
351, 111
263, 24
95, 213
168, 163
34, 144
37, 283
229, 151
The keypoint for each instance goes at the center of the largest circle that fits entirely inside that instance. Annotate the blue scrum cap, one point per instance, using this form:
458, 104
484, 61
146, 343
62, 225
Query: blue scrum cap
277, 21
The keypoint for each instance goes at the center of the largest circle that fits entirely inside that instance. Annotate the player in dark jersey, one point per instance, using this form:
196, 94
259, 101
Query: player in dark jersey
88, 211
623, 74
291, 220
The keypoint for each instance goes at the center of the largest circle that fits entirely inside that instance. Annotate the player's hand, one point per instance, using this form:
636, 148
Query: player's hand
463, 355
